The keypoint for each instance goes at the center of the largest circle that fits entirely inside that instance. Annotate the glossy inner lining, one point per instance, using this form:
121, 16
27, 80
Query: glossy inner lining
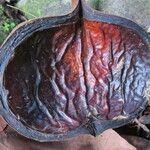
61, 77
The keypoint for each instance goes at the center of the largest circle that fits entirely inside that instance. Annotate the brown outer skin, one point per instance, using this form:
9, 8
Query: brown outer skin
93, 127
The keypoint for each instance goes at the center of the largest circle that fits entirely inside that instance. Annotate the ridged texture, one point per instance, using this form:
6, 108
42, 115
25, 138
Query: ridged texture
61, 77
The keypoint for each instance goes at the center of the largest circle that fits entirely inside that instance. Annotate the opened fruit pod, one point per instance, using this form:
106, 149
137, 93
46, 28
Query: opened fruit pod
80, 73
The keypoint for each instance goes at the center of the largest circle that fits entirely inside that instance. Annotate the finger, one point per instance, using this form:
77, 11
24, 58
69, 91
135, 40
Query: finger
112, 140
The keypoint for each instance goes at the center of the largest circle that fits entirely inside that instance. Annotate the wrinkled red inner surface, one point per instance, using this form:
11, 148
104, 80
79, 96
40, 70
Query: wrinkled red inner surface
61, 77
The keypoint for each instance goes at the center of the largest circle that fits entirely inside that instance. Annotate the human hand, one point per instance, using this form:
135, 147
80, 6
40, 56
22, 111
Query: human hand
108, 140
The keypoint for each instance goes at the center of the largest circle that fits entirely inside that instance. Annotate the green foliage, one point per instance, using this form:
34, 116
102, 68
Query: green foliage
96, 4
1, 9
6, 25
